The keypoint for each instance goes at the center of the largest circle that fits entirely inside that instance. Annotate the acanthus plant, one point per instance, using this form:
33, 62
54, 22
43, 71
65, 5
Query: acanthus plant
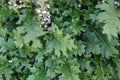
70, 40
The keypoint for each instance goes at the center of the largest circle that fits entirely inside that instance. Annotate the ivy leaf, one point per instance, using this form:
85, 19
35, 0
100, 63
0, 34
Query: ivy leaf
69, 71
21, 18
67, 12
2, 41
5, 12
77, 25
60, 43
98, 44
17, 36
110, 18
2, 45
23, 36
117, 61
33, 35
80, 49
85, 64
5, 68
99, 74
93, 17
51, 73
54, 45
3, 31
10, 44
38, 74
39, 57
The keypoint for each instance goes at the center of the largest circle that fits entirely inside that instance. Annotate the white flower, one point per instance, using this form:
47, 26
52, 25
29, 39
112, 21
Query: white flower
38, 10
43, 15
48, 13
103, 1
44, 12
19, 6
42, 22
11, 7
10, 61
40, 15
15, 5
9, 3
48, 6
117, 3
79, 5
20, 1
45, 26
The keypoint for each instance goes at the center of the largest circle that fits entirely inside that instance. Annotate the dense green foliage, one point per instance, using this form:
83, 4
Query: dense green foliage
81, 42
